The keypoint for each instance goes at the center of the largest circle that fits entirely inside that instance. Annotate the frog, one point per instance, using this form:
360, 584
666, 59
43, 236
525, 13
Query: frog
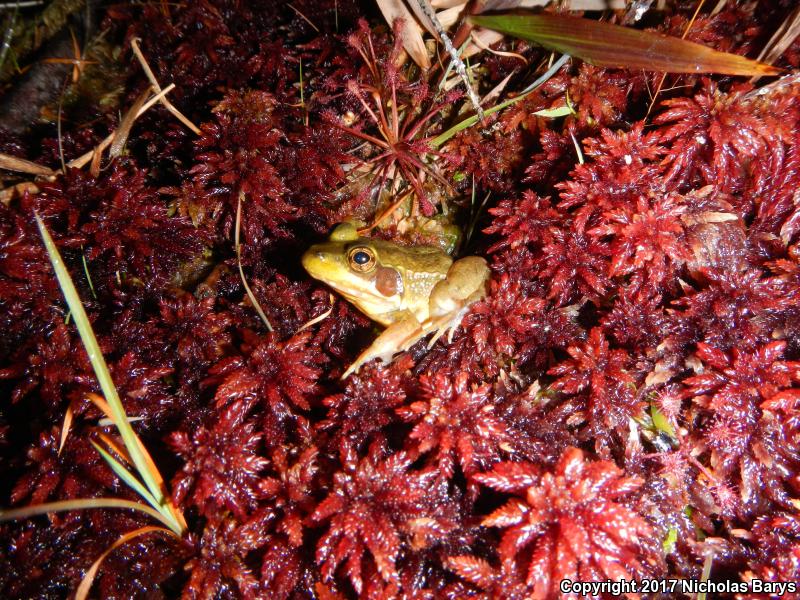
411, 290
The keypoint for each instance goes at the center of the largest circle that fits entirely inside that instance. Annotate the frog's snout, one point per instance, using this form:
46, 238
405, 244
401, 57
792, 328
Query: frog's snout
313, 260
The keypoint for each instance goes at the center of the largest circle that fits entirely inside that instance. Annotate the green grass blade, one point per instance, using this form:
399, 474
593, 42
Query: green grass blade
130, 480
608, 45
127, 477
88, 275
98, 362
25, 512
470, 121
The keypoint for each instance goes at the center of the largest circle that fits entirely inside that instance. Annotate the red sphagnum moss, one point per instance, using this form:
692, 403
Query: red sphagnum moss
623, 403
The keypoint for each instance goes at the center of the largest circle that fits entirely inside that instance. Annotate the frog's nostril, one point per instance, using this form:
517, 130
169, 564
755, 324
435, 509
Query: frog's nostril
320, 256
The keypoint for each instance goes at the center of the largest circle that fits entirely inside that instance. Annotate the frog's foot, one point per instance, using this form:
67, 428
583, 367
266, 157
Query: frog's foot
444, 324
396, 338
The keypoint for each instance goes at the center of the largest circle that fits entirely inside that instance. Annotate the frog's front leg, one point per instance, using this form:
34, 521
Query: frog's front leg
397, 337
450, 298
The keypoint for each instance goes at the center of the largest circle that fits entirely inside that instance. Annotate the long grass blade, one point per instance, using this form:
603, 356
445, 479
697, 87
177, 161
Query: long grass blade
25, 512
98, 363
608, 45
111, 445
470, 121
176, 514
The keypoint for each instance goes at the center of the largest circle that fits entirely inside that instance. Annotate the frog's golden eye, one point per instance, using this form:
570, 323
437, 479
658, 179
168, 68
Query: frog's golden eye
361, 259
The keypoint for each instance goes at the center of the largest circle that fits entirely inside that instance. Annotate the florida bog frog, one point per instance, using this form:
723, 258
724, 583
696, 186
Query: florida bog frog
412, 290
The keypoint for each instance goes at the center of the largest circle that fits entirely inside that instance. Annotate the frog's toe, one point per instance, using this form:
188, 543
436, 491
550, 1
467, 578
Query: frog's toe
367, 355
452, 331
435, 338
444, 324
352, 369
395, 338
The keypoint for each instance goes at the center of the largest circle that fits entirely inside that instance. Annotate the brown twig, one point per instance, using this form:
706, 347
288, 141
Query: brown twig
85, 158
780, 40
154, 82
125, 125
20, 165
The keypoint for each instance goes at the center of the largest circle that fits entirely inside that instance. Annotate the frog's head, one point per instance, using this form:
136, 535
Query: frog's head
352, 265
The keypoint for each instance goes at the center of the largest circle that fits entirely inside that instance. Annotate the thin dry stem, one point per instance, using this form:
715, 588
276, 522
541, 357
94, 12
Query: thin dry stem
20, 165
79, 162
458, 64
154, 82
319, 318
783, 37
302, 16
86, 583
125, 125
480, 44
664, 75
238, 247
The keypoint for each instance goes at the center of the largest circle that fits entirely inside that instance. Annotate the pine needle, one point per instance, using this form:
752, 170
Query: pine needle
783, 37
65, 428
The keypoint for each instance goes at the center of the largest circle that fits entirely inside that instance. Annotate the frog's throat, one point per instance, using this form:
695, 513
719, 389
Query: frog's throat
374, 304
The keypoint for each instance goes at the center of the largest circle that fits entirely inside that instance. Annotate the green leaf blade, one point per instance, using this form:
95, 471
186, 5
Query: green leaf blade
126, 476
613, 46
99, 365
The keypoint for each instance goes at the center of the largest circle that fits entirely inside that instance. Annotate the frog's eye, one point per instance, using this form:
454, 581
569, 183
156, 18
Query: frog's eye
362, 259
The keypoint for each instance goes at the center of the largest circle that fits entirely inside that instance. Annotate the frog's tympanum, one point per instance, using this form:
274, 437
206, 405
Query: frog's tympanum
413, 290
